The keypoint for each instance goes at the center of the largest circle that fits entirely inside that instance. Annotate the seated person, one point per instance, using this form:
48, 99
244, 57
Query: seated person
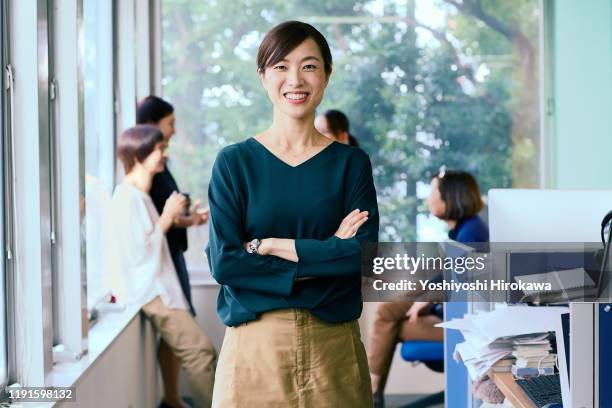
146, 274
454, 198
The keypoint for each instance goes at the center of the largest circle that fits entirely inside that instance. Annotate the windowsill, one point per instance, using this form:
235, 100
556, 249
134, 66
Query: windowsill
101, 336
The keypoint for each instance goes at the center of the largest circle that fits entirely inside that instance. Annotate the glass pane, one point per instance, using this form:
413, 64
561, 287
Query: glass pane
99, 141
424, 84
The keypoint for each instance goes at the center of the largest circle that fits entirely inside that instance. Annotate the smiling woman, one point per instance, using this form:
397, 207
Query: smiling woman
294, 67
286, 247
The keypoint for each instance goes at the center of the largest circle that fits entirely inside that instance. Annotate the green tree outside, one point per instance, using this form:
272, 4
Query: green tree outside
466, 98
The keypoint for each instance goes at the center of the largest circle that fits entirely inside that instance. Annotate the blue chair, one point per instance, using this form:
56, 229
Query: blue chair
430, 353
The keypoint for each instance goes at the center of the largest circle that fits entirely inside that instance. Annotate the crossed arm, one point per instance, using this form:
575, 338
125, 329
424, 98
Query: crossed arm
285, 248
283, 261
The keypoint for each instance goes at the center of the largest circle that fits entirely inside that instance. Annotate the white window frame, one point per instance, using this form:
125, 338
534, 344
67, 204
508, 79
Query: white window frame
547, 100
3, 195
66, 127
33, 334
143, 48
156, 47
125, 47
8, 169
98, 130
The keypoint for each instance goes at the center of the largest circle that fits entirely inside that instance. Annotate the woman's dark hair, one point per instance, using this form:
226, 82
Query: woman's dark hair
152, 109
337, 122
460, 191
136, 144
284, 38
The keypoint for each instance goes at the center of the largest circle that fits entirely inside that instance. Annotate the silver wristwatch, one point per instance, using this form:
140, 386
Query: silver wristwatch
253, 246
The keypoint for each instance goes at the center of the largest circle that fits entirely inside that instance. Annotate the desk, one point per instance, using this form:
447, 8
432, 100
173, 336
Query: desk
506, 384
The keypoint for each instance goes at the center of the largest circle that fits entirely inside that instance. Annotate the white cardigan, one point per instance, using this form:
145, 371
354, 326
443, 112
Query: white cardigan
142, 265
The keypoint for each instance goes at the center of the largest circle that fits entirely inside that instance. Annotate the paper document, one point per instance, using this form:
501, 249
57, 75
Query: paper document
493, 336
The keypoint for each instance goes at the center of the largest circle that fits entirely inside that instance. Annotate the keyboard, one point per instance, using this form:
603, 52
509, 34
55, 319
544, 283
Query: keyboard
542, 390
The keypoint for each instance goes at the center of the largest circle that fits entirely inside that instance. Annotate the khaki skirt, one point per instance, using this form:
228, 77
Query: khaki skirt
288, 358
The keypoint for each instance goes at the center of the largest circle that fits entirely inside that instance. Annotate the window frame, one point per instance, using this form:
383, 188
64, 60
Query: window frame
8, 199
67, 179
547, 92
3, 266
29, 274
98, 122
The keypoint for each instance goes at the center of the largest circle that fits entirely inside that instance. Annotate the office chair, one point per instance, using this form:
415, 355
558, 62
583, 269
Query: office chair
430, 353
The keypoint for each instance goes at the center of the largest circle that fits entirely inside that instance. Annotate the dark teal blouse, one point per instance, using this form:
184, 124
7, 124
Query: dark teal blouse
254, 194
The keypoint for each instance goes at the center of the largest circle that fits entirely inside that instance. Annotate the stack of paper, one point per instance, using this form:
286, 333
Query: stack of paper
479, 360
504, 365
491, 336
533, 357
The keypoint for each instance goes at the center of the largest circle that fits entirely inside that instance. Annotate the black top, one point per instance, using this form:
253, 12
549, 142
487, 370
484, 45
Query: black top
254, 194
162, 187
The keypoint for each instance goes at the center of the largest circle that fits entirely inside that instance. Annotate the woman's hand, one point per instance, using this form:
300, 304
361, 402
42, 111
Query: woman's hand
174, 206
414, 311
201, 215
197, 216
351, 223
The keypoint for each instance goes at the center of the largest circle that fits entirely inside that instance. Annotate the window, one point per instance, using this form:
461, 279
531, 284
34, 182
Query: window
30, 270
67, 181
99, 140
60, 105
424, 84
3, 232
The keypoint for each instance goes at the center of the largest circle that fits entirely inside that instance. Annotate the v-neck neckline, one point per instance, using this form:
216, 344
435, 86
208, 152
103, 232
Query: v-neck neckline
268, 151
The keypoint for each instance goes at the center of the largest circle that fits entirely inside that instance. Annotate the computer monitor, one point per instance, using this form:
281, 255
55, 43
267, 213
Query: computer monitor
539, 215
605, 291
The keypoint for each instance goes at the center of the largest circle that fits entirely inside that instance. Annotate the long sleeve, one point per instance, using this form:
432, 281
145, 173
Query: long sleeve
229, 263
340, 257
138, 244
162, 186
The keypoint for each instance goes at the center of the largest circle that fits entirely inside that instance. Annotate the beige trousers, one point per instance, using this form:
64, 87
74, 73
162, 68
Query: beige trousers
391, 326
288, 358
198, 356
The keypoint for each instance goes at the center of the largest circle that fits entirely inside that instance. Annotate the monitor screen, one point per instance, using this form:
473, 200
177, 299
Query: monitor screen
606, 269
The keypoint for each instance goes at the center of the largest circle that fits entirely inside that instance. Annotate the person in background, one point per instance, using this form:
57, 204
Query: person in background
290, 209
147, 277
155, 111
335, 125
454, 198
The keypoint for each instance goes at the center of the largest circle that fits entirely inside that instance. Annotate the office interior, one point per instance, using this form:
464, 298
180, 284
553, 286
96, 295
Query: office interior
533, 76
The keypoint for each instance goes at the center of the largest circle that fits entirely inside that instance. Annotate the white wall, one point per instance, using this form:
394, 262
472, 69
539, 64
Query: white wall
583, 93
124, 375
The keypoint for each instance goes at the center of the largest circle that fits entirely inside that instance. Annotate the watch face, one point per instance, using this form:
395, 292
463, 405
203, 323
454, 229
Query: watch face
253, 245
